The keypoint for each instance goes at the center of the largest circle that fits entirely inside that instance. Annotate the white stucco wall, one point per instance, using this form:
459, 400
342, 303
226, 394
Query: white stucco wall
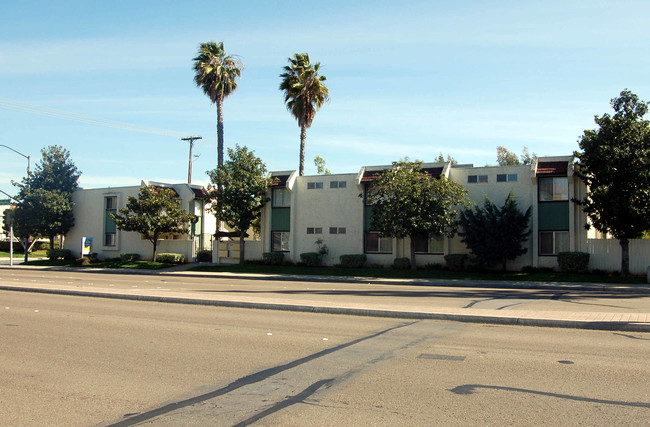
89, 214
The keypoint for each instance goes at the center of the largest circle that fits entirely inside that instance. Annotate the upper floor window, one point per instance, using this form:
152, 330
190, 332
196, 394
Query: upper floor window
472, 179
314, 230
338, 184
552, 189
314, 186
337, 230
510, 177
281, 198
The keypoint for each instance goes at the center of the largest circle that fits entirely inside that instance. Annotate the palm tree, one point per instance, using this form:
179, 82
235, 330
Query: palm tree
216, 74
304, 94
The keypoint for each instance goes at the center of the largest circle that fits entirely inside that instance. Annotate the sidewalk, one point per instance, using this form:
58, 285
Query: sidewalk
329, 302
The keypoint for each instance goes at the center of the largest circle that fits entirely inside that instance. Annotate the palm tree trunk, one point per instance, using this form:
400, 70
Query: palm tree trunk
303, 138
220, 132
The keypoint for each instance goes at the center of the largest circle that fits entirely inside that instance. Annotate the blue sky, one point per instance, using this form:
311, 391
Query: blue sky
407, 79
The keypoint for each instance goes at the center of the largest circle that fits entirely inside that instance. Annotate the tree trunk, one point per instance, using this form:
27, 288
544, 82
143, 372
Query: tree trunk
625, 257
242, 245
26, 249
51, 242
303, 138
219, 132
412, 245
155, 250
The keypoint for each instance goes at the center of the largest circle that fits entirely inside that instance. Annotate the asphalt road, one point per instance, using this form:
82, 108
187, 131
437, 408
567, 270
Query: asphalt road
67, 360
314, 293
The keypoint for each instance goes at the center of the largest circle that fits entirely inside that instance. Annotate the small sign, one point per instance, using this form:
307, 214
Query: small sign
86, 245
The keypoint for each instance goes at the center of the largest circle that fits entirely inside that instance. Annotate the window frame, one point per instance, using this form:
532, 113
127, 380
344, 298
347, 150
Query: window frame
315, 230
429, 239
553, 187
555, 242
280, 202
380, 248
282, 235
315, 185
337, 230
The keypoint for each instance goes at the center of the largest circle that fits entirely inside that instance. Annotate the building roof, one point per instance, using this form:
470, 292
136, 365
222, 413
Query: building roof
552, 168
373, 175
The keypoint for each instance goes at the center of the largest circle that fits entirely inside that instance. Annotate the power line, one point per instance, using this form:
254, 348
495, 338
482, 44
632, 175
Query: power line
65, 115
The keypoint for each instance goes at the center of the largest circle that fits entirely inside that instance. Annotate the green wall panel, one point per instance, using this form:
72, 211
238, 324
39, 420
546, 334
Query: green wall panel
553, 215
280, 219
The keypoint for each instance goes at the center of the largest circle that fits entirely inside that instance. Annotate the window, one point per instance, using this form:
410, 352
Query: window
109, 239
337, 230
281, 198
378, 244
552, 189
552, 242
314, 230
338, 184
511, 177
314, 186
280, 241
110, 229
431, 244
472, 179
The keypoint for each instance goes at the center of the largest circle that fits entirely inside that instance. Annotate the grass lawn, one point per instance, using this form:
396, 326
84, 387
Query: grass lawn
136, 265
424, 274
21, 255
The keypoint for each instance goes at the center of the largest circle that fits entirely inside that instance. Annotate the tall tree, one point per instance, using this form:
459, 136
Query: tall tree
47, 194
407, 202
495, 236
304, 94
615, 166
441, 159
154, 212
506, 157
321, 169
216, 73
238, 192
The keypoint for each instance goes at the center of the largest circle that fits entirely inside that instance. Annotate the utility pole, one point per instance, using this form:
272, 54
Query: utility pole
191, 140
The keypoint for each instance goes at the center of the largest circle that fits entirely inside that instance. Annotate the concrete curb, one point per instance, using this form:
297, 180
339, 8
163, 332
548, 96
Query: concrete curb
467, 318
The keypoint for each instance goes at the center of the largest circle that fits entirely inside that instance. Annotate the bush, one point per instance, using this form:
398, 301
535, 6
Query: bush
310, 259
353, 261
455, 261
82, 261
4, 246
573, 261
401, 264
129, 257
59, 254
170, 258
273, 258
434, 266
204, 256
40, 246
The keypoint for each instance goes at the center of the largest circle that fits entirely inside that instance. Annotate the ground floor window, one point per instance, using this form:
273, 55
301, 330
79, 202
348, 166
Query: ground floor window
429, 244
552, 242
280, 241
109, 239
374, 243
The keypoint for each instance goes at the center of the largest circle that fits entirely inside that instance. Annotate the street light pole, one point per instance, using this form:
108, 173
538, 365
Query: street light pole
24, 155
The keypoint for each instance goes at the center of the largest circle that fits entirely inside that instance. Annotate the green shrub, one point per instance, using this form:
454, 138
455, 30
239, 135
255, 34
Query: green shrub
170, 258
204, 256
573, 261
82, 261
59, 254
4, 246
353, 261
434, 266
130, 257
40, 246
273, 258
401, 264
310, 259
455, 261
